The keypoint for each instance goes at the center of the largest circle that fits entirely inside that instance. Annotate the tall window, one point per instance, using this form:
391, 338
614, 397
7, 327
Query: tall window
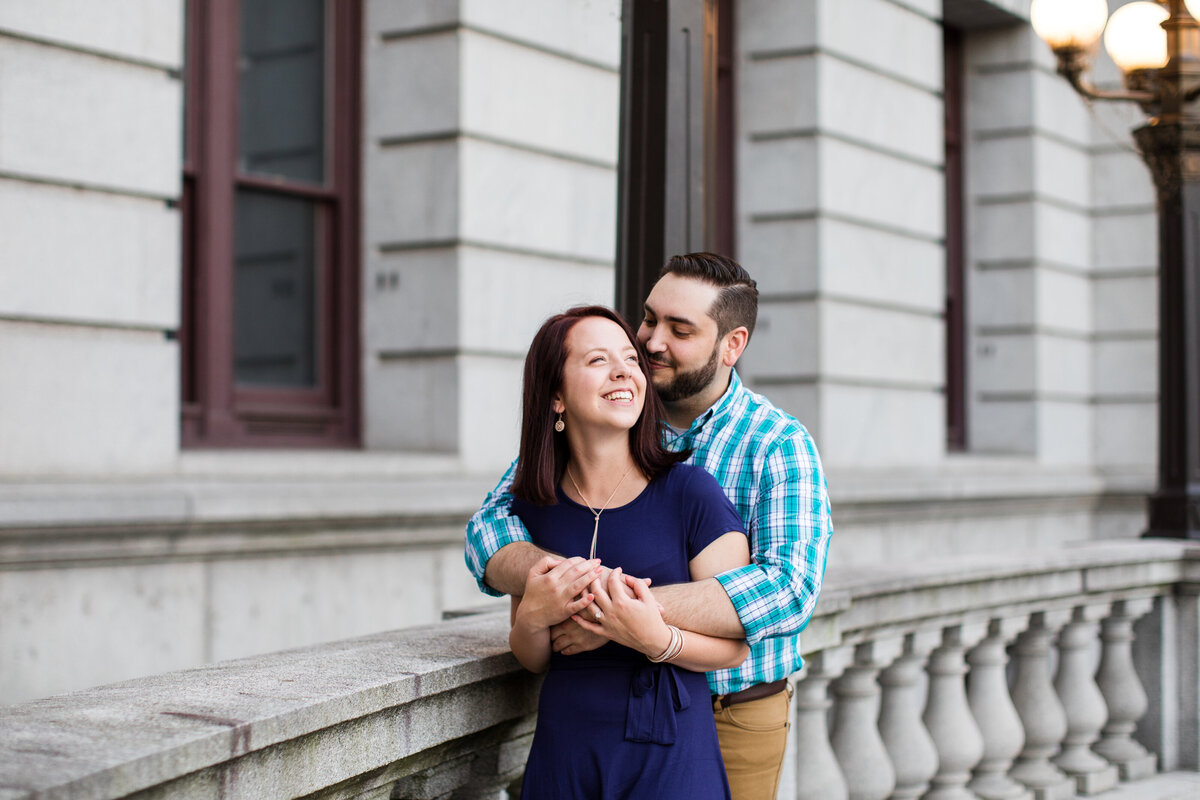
270, 217
956, 365
677, 176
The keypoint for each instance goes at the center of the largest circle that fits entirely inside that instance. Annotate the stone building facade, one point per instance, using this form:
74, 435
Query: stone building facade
883, 152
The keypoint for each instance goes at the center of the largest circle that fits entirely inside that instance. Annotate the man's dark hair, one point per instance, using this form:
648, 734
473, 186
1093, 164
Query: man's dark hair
736, 304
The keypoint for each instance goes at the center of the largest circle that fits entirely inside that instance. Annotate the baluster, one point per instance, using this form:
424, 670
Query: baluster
865, 762
909, 744
948, 717
1123, 692
1041, 713
818, 775
987, 694
1083, 703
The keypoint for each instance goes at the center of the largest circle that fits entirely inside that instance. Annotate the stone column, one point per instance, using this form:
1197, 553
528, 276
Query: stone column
997, 717
948, 716
1041, 712
819, 777
1082, 702
1183, 650
909, 744
865, 761
1123, 692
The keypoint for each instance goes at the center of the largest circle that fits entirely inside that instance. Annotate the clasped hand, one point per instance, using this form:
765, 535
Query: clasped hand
565, 595
557, 588
624, 611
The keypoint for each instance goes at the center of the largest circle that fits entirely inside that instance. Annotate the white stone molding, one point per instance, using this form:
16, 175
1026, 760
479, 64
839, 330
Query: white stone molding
818, 774
860, 751
914, 756
948, 716
1123, 692
997, 717
1082, 701
1040, 710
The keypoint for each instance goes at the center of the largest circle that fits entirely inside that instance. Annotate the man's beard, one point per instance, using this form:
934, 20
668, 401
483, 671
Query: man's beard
688, 384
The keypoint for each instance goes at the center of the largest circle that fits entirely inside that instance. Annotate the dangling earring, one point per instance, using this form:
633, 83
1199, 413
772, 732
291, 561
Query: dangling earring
560, 425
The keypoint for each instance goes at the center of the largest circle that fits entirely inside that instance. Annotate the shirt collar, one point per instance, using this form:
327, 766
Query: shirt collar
719, 408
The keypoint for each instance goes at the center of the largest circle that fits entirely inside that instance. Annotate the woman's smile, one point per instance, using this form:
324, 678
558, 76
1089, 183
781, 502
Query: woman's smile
623, 396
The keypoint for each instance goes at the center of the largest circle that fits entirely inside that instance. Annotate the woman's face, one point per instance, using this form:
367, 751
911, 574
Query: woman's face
603, 385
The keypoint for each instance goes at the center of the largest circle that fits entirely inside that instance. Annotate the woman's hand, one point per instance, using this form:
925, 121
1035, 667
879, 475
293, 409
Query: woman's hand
556, 589
629, 614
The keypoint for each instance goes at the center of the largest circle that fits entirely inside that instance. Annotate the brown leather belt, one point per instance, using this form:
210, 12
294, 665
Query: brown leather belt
756, 692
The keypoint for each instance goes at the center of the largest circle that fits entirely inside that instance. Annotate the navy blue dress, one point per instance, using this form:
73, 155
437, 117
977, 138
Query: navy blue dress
611, 724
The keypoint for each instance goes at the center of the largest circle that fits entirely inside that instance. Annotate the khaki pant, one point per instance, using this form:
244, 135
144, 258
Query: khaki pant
753, 737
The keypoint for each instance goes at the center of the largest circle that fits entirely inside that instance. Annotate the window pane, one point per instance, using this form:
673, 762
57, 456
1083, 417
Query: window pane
281, 93
274, 303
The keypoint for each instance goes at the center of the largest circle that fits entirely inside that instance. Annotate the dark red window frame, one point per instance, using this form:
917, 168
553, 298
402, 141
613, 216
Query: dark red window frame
956, 333
216, 412
724, 233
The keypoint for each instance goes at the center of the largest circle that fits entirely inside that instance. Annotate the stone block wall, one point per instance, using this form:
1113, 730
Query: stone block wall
1063, 272
841, 218
1124, 287
491, 195
90, 132
1029, 171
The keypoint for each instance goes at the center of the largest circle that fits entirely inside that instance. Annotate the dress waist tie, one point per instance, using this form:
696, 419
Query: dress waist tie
656, 693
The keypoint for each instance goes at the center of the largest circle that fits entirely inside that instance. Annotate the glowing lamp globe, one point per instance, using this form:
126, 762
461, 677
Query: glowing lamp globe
1069, 24
1135, 38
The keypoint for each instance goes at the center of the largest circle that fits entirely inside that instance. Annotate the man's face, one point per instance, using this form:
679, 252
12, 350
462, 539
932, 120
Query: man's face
680, 336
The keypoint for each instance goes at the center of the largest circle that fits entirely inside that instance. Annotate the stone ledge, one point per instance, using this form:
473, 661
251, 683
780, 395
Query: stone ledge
133, 736
922, 594
236, 491
249, 487
185, 518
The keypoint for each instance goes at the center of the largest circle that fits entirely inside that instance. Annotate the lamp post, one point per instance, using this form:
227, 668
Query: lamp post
1157, 47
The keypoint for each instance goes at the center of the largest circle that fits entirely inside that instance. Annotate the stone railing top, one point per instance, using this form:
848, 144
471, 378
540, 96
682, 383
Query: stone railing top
935, 589
114, 740
933, 569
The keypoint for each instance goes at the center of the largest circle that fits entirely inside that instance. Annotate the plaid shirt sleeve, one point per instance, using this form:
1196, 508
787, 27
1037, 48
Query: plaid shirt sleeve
491, 528
789, 538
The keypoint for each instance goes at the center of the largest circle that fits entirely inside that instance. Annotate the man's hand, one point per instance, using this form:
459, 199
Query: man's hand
569, 638
555, 589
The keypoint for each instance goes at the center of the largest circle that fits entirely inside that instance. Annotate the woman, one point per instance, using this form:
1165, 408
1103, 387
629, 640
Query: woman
631, 719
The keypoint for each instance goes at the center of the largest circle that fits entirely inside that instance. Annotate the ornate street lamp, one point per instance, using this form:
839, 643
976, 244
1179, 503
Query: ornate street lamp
1157, 47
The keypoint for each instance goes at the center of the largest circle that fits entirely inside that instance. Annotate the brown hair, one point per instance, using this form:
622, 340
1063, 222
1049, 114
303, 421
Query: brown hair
544, 453
737, 302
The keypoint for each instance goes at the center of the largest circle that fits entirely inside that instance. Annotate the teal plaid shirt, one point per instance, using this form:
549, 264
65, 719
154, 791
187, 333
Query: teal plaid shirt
769, 467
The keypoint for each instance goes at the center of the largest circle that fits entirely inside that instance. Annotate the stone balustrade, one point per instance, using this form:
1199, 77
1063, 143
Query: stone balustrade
1005, 677
1037, 675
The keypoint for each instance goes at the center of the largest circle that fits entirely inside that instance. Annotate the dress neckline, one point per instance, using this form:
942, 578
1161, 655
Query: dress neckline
562, 495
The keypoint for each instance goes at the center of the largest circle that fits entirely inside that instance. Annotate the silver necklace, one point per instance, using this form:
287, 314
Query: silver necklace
603, 508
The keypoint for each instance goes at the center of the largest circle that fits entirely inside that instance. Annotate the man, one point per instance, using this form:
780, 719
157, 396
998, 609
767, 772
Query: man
698, 320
